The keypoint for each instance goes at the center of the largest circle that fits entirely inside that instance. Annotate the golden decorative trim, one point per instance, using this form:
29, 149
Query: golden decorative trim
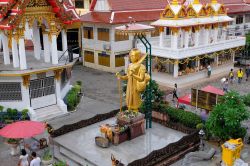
207, 26
174, 30
176, 62
57, 74
26, 81
196, 28
187, 29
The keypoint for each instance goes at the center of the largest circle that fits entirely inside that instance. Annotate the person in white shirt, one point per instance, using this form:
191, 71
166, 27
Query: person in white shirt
23, 159
36, 161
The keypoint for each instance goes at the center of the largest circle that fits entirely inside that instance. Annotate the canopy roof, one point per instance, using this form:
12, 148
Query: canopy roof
211, 89
11, 11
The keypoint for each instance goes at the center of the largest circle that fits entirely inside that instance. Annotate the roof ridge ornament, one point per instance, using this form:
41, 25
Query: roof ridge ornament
214, 1
175, 2
196, 2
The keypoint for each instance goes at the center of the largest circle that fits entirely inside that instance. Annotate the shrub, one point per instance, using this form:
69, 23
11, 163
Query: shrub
13, 141
25, 115
60, 163
12, 113
47, 155
246, 99
225, 120
79, 83
73, 97
1, 108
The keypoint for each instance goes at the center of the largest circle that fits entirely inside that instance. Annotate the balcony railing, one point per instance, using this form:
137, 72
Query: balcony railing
181, 53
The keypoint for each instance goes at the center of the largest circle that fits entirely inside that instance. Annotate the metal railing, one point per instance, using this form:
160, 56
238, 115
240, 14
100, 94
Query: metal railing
70, 57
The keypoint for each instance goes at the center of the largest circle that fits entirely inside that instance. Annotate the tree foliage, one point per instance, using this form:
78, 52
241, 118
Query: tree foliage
226, 117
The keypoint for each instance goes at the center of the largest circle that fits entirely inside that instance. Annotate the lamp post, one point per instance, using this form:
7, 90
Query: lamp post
139, 31
201, 135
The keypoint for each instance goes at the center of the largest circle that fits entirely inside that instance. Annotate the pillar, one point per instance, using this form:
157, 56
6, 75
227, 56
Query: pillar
126, 59
182, 38
198, 63
37, 42
233, 55
6, 53
57, 75
186, 43
1, 43
176, 68
15, 52
53, 33
215, 33
22, 53
112, 43
206, 34
174, 38
224, 31
161, 29
197, 36
25, 90
46, 46
64, 41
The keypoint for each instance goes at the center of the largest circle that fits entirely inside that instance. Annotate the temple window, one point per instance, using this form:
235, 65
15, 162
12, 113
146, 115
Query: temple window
104, 59
121, 37
168, 32
103, 34
89, 56
79, 3
10, 91
239, 19
119, 60
88, 33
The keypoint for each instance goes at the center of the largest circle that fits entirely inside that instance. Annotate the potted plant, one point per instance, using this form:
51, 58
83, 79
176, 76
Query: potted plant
60, 163
47, 158
13, 143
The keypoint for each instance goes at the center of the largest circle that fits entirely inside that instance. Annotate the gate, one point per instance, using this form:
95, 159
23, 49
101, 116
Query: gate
42, 92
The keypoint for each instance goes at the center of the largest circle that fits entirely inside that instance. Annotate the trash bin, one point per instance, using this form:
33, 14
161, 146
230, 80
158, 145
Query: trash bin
231, 151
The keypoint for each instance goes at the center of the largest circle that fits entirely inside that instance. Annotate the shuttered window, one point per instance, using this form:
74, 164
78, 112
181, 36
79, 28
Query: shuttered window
103, 34
88, 33
104, 59
121, 37
89, 56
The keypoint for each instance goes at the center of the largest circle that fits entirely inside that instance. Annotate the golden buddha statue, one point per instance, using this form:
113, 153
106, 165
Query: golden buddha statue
137, 79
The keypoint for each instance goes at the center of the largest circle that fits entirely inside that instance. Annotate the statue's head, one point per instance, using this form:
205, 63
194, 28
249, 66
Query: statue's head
135, 55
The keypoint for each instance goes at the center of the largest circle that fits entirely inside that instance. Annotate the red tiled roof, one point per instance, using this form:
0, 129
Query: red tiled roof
11, 10
121, 17
124, 5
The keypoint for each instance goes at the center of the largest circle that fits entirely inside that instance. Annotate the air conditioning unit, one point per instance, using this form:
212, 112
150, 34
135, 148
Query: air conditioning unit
107, 47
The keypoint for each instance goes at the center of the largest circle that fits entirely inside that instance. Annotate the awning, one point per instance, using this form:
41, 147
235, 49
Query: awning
187, 98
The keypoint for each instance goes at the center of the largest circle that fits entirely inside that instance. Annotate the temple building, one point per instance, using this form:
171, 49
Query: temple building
34, 74
192, 37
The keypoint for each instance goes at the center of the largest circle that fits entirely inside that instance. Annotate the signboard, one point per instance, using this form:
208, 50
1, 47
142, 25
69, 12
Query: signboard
204, 100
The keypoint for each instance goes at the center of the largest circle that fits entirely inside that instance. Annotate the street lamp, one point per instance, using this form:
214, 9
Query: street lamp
201, 135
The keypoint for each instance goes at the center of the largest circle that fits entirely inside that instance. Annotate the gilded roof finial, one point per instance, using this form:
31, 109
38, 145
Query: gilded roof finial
175, 2
196, 2
214, 1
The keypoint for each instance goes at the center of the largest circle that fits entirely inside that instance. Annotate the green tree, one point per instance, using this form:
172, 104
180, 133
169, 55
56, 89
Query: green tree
226, 117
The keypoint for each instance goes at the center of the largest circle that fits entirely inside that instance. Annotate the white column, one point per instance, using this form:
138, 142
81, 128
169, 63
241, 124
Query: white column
58, 90
22, 54
215, 34
161, 38
64, 41
174, 38
217, 60
233, 55
46, 46
54, 49
15, 53
176, 68
112, 43
186, 38
6, 53
0, 42
198, 64
182, 38
126, 59
224, 33
25, 95
197, 37
37, 42
206, 36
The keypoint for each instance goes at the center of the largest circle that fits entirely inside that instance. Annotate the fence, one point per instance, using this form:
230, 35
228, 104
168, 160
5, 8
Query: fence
171, 152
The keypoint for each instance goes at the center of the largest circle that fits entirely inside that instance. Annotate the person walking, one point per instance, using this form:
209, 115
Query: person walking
209, 70
240, 75
23, 159
231, 76
36, 161
175, 92
225, 86
247, 72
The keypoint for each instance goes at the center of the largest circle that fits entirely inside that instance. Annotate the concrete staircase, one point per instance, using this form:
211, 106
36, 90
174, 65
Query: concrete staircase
48, 113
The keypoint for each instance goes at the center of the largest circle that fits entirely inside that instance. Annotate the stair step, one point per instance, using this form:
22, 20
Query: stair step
48, 113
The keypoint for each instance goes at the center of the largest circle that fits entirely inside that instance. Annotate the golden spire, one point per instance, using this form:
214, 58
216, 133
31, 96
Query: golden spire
175, 2
196, 2
214, 1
